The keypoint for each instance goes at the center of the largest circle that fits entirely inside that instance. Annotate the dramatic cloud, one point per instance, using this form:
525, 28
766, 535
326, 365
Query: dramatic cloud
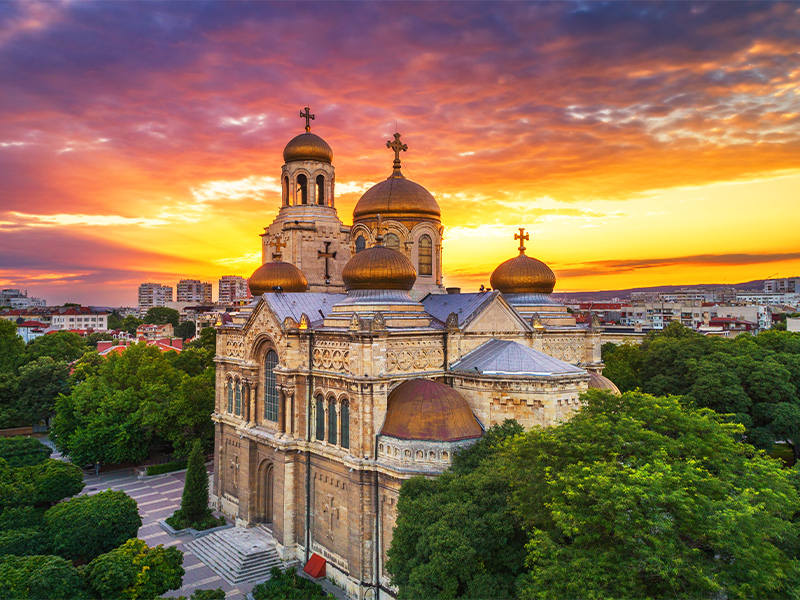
162, 124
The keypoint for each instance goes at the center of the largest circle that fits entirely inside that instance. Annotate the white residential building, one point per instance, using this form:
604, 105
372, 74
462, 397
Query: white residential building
194, 291
153, 294
232, 288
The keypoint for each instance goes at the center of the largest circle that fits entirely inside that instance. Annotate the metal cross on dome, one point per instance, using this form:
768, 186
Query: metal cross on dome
277, 244
521, 236
308, 117
397, 146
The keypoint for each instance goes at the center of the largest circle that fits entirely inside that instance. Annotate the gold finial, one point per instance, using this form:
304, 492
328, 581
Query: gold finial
308, 117
277, 244
521, 236
397, 146
378, 235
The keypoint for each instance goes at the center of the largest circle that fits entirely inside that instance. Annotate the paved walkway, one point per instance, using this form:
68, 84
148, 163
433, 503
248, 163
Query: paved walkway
158, 497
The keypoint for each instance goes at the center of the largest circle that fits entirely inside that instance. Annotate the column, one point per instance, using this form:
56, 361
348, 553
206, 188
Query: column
289, 410
282, 409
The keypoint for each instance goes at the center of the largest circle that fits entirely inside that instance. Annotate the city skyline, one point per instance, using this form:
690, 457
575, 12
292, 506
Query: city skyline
639, 143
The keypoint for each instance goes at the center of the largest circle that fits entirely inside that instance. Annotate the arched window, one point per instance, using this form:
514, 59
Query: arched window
302, 189
320, 418
361, 244
321, 190
425, 255
286, 191
392, 241
238, 407
270, 386
230, 395
344, 416
332, 421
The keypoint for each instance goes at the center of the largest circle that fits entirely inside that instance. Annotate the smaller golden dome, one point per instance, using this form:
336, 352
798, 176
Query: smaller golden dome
426, 410
277, 274
601, 382
308, 146
523, 275
397, 197
379, 268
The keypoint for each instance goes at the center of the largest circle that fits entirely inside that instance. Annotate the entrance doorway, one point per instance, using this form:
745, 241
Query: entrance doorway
265, 492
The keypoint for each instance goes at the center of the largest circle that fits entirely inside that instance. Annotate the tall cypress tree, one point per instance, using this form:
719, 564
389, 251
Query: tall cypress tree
194, 502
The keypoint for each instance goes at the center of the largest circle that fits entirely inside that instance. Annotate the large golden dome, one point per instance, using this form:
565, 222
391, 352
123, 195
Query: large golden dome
422, 409
308, 146
397, 197
379, 268
523, 275
278, 273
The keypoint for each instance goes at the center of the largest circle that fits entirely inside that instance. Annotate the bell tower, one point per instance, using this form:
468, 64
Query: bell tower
316, 241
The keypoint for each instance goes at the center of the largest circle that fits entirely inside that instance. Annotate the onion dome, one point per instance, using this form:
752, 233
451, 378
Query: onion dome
379, 268
426, 410
601, 382
308, 146
271, 275
523, 274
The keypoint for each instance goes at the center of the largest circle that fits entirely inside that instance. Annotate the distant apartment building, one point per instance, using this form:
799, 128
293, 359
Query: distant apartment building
194, 291
19, 299
78, 317
153, 294
232, 288
786, 285
769, 298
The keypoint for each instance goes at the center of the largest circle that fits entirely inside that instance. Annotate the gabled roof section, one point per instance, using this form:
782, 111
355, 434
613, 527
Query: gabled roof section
294, 304
465, 306
506, 357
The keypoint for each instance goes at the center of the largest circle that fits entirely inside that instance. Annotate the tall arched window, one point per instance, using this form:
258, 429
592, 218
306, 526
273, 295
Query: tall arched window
392, 241
286, 191
321, 190
238, 407
425, 255
344, 416
332, 421
230, 395
302, 189
270, 386
361, 244
320, 418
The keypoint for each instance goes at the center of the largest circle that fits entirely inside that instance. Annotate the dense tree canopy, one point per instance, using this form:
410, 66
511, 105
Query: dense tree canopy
40, 382
63, 346
185, 330
38, 577
130, 324
161, 315
12, 347
755, 378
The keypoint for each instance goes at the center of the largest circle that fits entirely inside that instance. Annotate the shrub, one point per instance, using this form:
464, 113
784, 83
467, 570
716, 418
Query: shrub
21, 451
21, 517
38, 577
194, 511
175, 465
135, 571
87, 526
26, 541
289, 586
55, 480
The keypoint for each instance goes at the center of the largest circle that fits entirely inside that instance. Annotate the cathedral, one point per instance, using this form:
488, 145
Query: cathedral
354, 369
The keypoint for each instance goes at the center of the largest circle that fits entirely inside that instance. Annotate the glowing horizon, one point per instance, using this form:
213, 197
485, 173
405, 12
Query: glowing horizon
640, 144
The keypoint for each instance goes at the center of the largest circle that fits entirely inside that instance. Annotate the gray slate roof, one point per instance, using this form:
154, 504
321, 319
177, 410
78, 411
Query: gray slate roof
465, 306
506, 357
294, 304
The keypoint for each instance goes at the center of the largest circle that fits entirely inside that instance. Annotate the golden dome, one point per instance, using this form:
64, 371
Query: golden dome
601, 382
422, 409
273, 274
308, 146
523, 275
379, 268
397, 197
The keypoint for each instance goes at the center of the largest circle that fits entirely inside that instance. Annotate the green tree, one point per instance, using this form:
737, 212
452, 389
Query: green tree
85, 527
188, 415
185, 330
623, 363
97, 336
161, 315
54, 480
86, 366
40, 383
9, 413
24, 541
39, 577
207, 340
130, 323
114, 320
135, 571
20, 450
642, 497
194, 510
192, 360
61, 346
12, 348
457, 536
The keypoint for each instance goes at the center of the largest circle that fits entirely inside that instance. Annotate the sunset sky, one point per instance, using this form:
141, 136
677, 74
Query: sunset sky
640, 144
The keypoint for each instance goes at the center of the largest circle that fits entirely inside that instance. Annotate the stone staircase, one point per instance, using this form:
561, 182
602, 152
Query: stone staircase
238, 555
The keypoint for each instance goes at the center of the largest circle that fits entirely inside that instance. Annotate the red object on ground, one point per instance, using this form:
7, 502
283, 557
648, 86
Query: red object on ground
315, 566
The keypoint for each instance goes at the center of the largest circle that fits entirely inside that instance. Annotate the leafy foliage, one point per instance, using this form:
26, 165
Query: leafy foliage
19, 451
43, 484
135, 571
24, 541
185, 330
40, 383
644, 497
161, 315
457, 536
207, 340
61, 346
289, 585
12, 348
130, 324
194, 511
38, 577
87, 526
169, 467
